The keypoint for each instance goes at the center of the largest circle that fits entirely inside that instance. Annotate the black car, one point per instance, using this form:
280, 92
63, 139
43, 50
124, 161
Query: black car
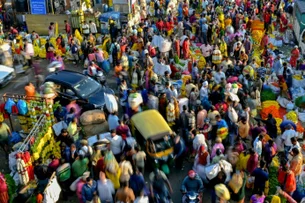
74, 86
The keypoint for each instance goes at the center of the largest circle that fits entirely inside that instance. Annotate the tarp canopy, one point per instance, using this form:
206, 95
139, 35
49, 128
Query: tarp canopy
104, 17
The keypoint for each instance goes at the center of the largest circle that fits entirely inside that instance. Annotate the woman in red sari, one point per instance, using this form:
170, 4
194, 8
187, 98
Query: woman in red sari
295, 54
61, 44
283, 22
186, 48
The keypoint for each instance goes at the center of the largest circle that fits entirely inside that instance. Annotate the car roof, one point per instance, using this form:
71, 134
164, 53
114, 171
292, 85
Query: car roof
66, 77
151, 124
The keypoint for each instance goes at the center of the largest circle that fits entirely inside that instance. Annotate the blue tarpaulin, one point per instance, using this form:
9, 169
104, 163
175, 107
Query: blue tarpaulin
104, 17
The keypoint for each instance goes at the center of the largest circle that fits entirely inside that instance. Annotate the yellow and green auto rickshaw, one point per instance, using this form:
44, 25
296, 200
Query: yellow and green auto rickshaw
153, 133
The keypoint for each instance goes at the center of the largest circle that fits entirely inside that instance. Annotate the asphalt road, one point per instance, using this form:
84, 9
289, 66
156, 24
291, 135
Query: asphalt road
17, 85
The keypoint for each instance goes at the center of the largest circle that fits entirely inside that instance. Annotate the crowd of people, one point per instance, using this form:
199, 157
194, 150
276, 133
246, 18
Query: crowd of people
216, 125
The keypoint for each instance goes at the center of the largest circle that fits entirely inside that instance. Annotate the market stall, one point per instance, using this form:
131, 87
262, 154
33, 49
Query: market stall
27, 109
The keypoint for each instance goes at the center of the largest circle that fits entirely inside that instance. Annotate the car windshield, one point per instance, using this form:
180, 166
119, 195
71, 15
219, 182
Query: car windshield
86, 87
161, 144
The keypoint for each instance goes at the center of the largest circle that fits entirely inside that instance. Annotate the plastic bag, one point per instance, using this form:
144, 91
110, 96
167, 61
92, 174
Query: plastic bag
222, 191
134, 100
236, 182
22, 107
74, 184
250, 182
15, 138
8, 105
111, 103
282, 101
106, 66
233, 115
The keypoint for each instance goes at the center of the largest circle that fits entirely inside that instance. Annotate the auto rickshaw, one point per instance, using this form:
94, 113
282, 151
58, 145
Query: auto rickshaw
153, 133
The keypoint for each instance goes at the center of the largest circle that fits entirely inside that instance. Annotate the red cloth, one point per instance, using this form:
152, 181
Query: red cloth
267, 17
186, 49
26, 157
290, 183
160, 25
3, 186
174, 70
68, 28
122, 130
295, 54
2, 110
202, 158
54, 164
100, 166
265, 41
252, 163
168, 26
14, 109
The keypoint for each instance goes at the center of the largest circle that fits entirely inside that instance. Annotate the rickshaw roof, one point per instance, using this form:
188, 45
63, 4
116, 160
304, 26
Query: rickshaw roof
151, 124
104, 17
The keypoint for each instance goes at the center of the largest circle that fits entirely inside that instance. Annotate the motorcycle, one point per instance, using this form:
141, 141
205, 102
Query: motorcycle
99, 77
54, 66
191, 197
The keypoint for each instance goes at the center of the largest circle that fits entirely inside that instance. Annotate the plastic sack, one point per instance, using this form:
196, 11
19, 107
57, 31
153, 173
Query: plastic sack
212, 171
283, 101
298, 83
111, 103
22, 107
134, 100
301, 117
106, 66
8, 105
78, 36
236, 182
74, 184
233, 115
15, 138
222, 191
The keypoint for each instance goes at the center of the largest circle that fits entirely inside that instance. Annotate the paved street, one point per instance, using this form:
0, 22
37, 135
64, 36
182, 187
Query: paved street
17, 86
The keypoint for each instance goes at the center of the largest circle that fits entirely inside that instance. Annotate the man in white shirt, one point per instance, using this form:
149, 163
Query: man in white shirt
116, 145
86, 29
105, 188
295, 144
206, 50
286, 138
218, 76
226, 63
204, 91
92, 26
258, 145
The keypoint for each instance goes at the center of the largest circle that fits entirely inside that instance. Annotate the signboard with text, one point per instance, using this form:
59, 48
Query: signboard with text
38, 7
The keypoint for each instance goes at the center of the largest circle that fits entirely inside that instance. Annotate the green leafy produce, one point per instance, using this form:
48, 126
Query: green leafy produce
176, 59
56, 105
268, 95
12, 188
300, 102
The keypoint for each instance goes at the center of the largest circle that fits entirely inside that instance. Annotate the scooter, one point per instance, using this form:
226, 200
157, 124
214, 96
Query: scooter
99, 77
191, 197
